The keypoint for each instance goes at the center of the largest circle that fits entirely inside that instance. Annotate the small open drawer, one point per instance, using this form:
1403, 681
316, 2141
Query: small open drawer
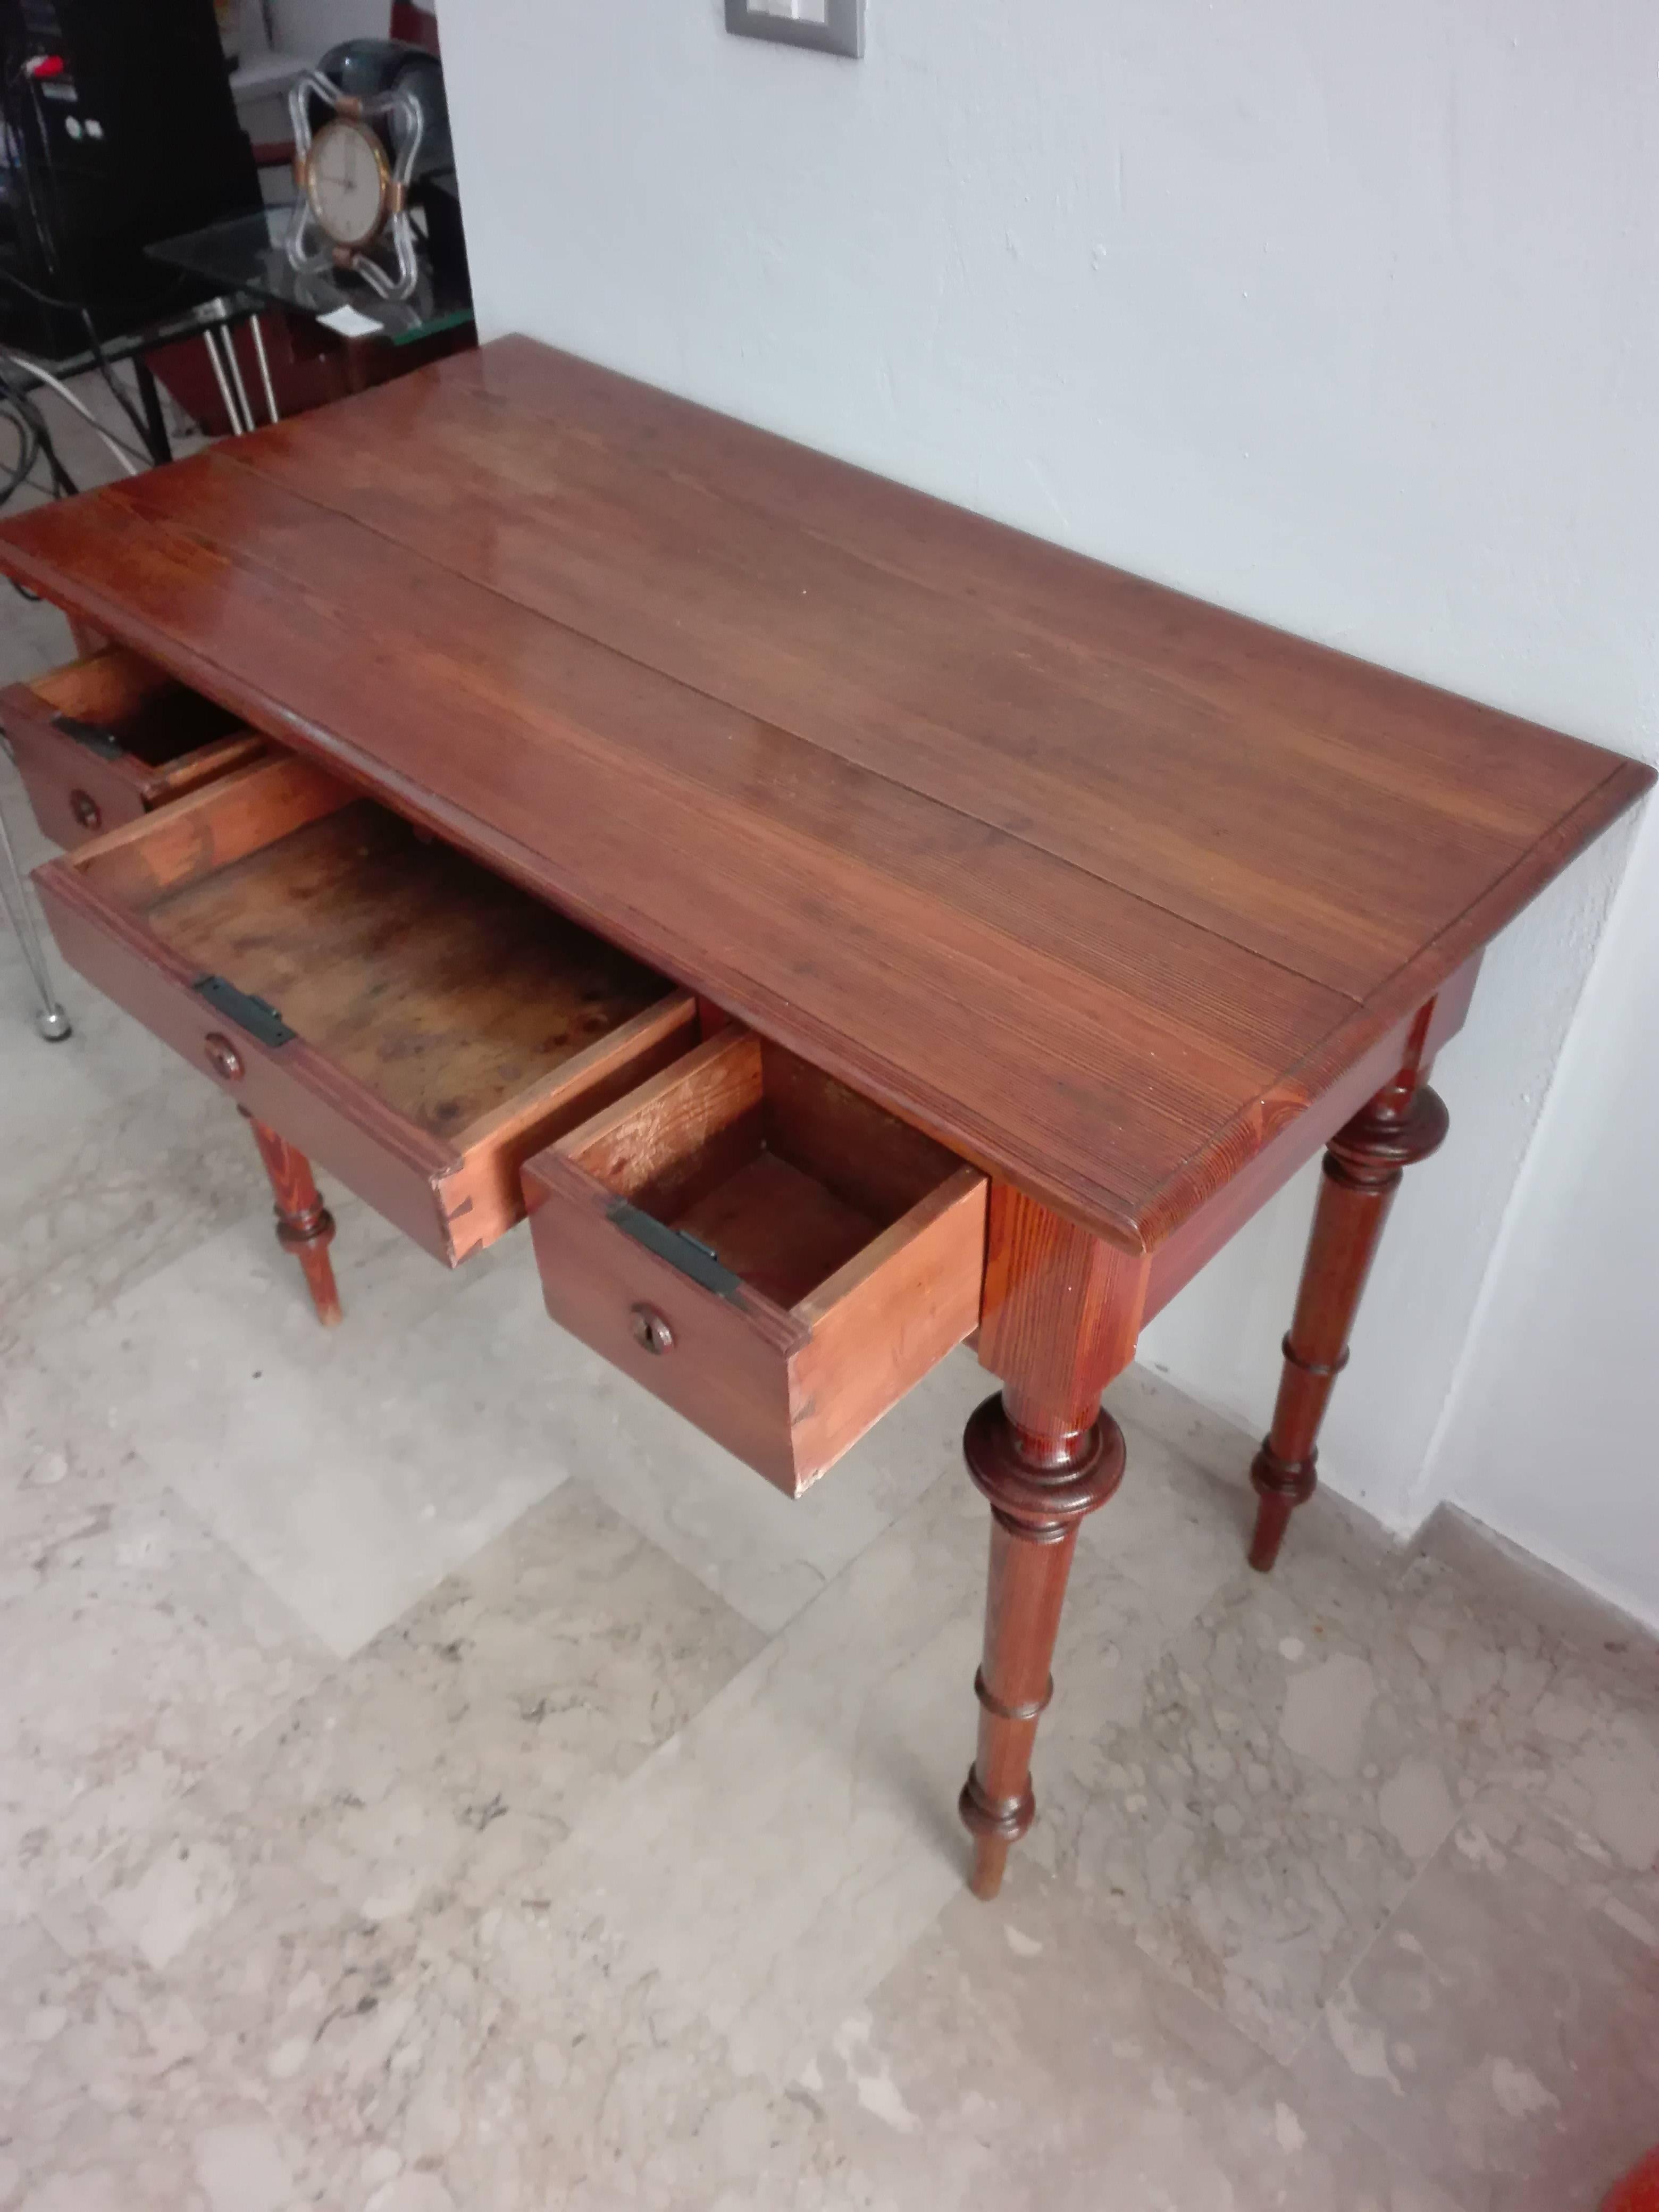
411, 1021
107, 739
776, 1257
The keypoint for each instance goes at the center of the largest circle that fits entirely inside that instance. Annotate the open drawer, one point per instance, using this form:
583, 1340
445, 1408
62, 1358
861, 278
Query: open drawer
413, 1022
105, 739
773, 1256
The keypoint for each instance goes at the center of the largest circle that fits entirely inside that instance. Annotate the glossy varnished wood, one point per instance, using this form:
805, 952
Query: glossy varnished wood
1062, 1312
1405, 1122
165, 740
305, 1226
1118, 885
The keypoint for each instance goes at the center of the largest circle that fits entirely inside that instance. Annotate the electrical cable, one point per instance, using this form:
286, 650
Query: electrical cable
101, 361
28, 449
63, 483
133, 463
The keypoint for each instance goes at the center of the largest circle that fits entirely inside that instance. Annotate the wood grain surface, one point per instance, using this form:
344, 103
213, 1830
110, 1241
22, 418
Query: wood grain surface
1097, 884
445, 990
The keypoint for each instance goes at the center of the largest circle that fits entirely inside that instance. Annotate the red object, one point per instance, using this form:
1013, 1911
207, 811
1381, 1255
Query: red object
1639, 2190
416, 24
45, 65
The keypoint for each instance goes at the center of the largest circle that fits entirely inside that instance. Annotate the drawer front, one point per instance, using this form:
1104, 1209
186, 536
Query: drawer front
74, 791
723, 1362
788, 1389
65, 730
391, 1165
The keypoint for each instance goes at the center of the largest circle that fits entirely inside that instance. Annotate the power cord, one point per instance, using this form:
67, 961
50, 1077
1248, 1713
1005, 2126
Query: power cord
17, 400
101, 359
132, 463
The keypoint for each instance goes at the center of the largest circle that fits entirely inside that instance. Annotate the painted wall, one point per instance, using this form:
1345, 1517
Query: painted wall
1342, 317
1553, 1432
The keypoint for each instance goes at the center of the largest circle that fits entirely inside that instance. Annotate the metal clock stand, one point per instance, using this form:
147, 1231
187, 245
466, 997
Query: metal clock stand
310, 250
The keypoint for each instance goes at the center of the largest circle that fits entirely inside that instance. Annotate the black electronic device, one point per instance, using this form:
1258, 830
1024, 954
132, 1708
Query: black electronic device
119, 129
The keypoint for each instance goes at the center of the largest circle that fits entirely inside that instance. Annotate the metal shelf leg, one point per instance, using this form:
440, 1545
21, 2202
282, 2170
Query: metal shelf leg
51, 1021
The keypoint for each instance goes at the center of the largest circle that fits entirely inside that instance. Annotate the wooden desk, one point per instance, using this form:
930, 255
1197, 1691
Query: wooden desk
1127, 902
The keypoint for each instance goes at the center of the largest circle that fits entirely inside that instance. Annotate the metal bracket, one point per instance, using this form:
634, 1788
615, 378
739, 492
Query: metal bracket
689, 1255
260, 1020
93, 735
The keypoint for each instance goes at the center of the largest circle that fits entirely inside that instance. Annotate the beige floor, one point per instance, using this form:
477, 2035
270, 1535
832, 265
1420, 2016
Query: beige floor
434, 1780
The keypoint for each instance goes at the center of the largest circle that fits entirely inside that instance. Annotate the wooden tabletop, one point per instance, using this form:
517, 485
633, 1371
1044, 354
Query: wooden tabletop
1098, 884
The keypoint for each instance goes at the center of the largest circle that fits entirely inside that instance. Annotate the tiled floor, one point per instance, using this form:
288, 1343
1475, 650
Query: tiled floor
433, 1779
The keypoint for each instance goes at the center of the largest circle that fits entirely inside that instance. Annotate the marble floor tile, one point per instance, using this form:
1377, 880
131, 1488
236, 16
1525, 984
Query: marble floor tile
1508, 2018
766, 1554
298, 1931
350, 1468
820, 1786
136, 1651
302, 2022
769, 1864
439, 1772
1621, 1650
113, 2097
97, 1203
363, 2066
1302, 1752
1031, 2056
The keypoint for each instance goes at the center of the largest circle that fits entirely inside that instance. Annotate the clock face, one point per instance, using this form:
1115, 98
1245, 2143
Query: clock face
346, 182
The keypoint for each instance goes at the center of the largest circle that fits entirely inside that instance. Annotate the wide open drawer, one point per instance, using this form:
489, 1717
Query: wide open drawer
105, 739
413, 1022
776, 1257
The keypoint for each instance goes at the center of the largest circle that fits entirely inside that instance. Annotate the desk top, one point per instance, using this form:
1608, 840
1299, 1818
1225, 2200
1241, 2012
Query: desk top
1098, 884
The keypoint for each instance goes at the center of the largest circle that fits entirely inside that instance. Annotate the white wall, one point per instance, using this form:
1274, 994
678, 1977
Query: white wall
1345, 317
1553, 1432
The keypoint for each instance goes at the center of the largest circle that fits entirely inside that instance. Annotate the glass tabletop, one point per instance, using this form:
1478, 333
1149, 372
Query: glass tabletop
248, 254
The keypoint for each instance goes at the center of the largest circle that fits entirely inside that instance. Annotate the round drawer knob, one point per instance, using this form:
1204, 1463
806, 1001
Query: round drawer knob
222, 1057
86, 809
651, 1331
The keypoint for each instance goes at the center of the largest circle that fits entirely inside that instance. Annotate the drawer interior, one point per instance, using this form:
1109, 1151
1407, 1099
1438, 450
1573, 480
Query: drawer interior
449, 994
444, 989
118, 695
786, 1175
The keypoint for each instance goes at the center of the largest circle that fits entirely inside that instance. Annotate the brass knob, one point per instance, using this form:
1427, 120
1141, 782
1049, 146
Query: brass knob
651, 1332
222, 1057
86, 809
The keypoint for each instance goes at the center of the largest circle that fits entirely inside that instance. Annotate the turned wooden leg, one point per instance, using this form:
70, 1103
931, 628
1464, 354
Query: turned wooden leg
1060, 1316
304, 1224
1040, 1485
1403, 1123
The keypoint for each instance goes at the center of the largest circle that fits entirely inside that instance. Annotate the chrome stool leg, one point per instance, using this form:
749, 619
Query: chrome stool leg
51, 1021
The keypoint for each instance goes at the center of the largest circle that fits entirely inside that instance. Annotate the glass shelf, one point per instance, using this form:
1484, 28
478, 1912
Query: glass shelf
247, 255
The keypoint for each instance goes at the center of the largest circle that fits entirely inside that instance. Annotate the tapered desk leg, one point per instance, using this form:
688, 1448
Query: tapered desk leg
1062, 1312
1039, 1491
1403, 1123
304, 1224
